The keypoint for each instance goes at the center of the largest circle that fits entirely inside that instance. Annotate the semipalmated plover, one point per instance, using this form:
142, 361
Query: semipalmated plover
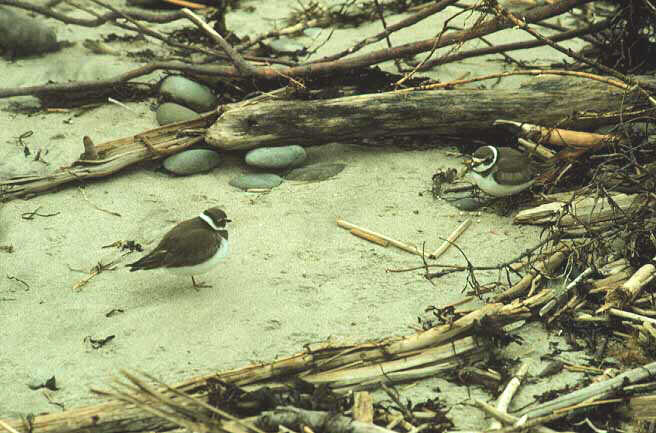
192, 247
500, 171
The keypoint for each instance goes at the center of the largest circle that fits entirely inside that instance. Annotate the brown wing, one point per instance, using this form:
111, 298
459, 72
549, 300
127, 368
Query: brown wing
513, 167
186, 244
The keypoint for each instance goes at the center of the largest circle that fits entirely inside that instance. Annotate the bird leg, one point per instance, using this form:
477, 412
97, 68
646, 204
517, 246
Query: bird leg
200, 285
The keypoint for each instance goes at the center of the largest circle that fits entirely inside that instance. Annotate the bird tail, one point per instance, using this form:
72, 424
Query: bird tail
144, 263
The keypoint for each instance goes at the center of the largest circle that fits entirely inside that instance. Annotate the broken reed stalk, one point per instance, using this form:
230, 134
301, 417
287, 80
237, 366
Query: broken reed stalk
451, 239
368, 236
363, 407
503, 402
631, 289
571, 211
631, 316
318, 361
536, 148
595, 391
505, 417
379, 238
560, 137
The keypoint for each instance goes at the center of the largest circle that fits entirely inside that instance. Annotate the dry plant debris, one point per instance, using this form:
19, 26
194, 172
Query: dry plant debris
597, 204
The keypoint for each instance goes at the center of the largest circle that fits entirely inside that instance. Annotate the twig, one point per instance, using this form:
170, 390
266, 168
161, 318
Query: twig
451, 239
84, 196
407, 22
545, 266
453, 83
522, 24
120, 104
244, 68
498, 48
559, 298
49, 12
314, 69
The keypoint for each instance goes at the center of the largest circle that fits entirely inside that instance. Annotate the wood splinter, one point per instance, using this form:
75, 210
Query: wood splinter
90, 152
377, 238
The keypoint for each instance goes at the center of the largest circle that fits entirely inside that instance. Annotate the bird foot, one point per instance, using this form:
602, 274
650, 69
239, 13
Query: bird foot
200, 285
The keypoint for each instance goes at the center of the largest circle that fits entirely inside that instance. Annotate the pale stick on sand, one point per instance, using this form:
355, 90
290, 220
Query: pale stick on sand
455, 235
375, 239
503, 402
381, 238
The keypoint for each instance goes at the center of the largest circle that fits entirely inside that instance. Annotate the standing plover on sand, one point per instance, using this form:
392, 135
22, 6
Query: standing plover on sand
192, 247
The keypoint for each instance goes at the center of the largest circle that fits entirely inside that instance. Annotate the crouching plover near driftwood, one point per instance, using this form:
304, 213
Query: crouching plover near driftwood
192, 247
500, 171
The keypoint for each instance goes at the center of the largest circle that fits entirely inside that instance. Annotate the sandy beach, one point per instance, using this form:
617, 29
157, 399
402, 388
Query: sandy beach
293, 276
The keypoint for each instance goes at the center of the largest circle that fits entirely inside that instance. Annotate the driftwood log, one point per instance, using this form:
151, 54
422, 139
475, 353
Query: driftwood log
563, 102
101, 160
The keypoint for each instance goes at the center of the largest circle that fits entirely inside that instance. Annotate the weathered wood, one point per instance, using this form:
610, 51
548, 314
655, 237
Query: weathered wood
316, 420
329, 357
596, 391
110, 157
579, 104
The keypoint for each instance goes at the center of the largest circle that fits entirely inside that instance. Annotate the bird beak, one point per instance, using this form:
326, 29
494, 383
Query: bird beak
228, 221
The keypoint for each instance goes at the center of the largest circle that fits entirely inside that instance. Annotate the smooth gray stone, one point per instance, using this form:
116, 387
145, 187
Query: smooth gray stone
24, 36
469, 204
188, 93
276, 157
192, 161
315, 172
170, 112
284, 45
256, 180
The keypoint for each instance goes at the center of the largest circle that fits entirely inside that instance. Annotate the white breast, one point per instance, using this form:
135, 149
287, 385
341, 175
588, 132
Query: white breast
206, 266
490, 186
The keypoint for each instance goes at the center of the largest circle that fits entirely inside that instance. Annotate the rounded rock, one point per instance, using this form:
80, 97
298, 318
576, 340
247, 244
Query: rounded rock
25, 36
315, 172
188, 93
470, 204
276, 157
170, 112
256, 180
192, 162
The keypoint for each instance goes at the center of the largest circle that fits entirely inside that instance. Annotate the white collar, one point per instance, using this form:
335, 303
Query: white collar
209, 221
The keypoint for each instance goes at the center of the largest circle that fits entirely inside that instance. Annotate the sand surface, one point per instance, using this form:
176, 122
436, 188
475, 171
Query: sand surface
293, 276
